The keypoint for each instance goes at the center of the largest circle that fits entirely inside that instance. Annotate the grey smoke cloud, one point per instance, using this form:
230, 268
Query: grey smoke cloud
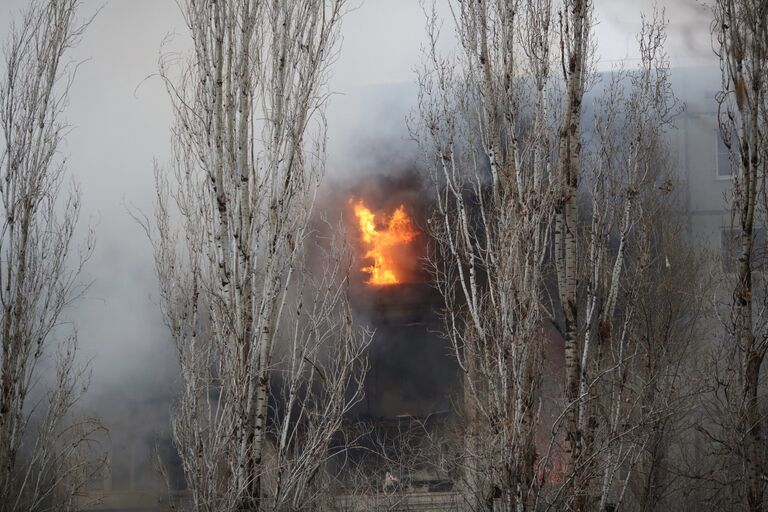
121, 123
688, 39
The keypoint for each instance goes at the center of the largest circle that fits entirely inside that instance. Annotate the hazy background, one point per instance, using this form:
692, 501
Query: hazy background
121, 123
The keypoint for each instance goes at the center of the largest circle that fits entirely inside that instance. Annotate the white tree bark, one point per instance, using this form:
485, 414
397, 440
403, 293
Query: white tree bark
575, 27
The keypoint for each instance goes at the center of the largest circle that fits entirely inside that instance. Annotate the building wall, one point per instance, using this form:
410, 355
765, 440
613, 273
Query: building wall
701, 157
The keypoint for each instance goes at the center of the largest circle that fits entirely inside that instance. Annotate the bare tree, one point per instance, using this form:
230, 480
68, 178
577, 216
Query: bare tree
488, 153
505, 146
631, 383
249, 146
740, 34
320, 372
39, 267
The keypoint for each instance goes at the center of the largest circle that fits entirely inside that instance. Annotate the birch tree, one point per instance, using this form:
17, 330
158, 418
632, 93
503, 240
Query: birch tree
249, 143
39, 266
575, 27
504, 142
740, 34
483, 126
624, 356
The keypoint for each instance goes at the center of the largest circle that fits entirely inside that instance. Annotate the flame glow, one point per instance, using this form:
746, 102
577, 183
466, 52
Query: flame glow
383, 242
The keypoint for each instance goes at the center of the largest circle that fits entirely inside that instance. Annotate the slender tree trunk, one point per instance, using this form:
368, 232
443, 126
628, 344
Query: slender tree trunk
574, 48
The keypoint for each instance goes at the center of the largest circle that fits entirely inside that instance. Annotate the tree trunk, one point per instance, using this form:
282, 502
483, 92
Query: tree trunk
566, 232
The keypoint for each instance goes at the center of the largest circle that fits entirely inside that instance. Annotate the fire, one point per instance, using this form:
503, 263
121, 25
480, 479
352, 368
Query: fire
384, 242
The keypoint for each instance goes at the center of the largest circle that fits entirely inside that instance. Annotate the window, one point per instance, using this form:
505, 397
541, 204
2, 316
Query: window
722, 157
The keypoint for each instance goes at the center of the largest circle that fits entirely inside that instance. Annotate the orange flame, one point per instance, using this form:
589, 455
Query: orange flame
383, 242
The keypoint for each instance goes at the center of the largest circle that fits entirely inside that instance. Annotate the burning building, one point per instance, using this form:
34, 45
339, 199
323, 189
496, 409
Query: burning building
411, 371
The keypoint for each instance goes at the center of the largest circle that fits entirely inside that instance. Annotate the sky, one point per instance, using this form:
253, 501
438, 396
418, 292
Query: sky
120, 117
